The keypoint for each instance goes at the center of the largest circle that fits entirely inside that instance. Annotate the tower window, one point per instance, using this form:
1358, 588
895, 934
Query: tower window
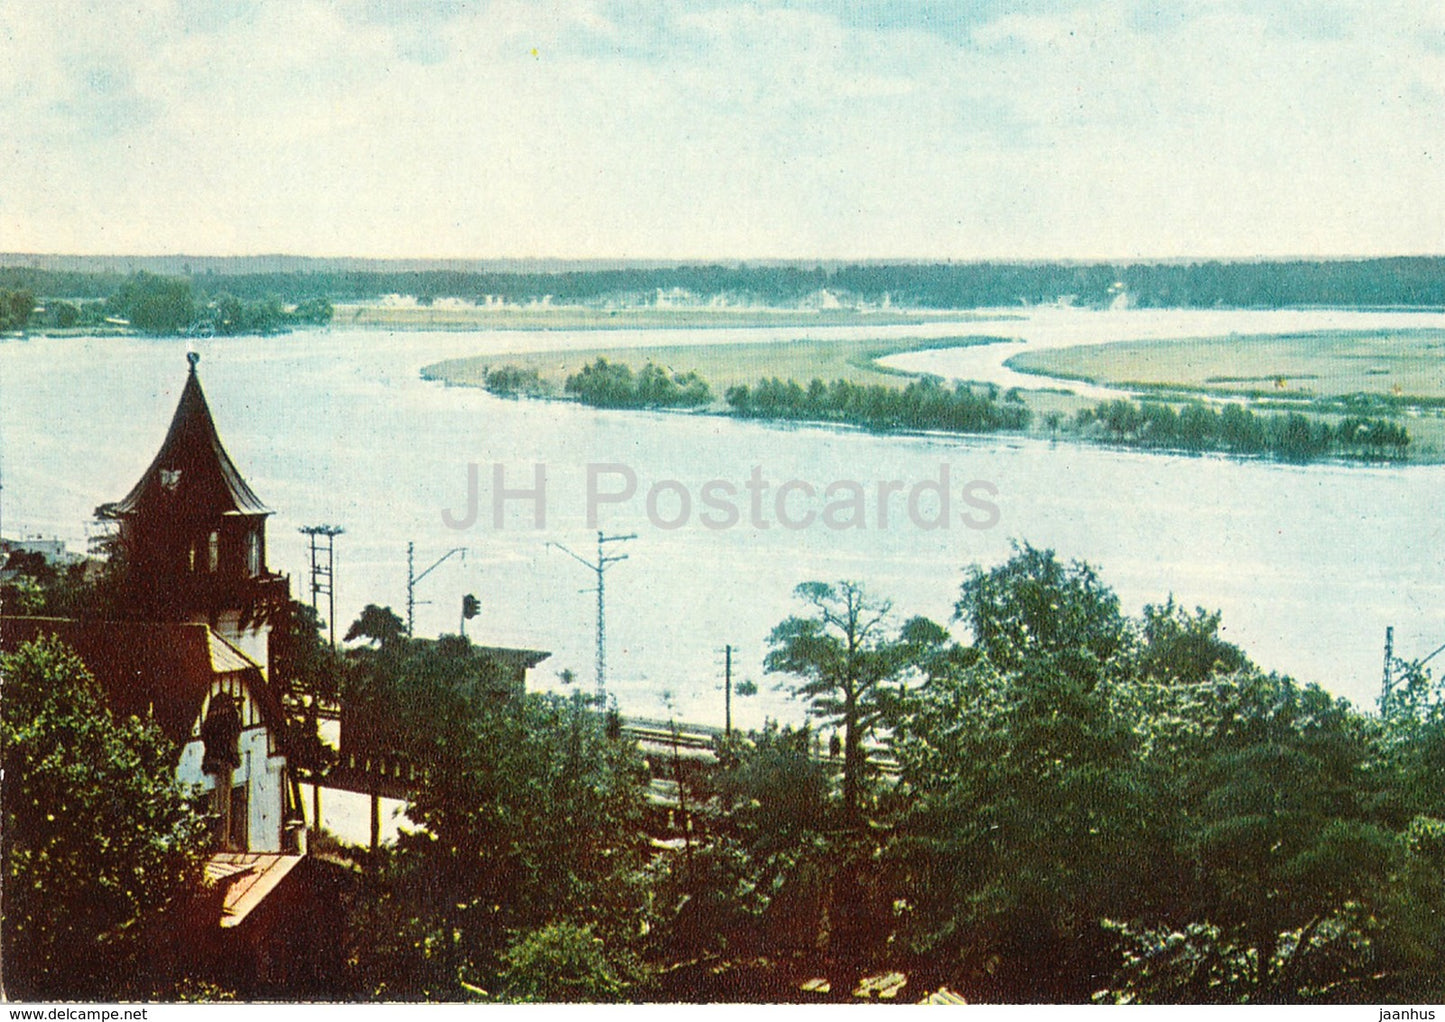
253, 553
213, 552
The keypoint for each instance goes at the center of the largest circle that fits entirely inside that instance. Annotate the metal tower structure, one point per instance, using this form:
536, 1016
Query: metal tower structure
600, 567
412, 578
323, 570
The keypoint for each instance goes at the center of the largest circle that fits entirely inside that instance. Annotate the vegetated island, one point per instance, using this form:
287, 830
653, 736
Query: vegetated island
844, 383
1367, 383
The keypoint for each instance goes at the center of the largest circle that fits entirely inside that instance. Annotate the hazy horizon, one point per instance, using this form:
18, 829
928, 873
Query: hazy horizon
97, 261
665, 132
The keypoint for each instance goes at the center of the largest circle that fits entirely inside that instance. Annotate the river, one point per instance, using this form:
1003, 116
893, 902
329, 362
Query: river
1308, 564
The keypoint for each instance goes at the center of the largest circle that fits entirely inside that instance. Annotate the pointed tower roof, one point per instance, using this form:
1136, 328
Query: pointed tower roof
191, 475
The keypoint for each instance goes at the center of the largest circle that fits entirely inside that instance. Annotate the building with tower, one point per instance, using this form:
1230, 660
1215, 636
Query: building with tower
187, 642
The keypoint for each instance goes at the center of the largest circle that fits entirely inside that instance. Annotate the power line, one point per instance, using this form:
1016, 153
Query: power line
600, 567
323, 570
412, 579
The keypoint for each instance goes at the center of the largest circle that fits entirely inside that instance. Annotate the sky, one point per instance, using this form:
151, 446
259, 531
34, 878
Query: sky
686, 129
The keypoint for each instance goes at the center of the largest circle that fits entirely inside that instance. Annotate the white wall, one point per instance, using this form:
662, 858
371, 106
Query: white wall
262, 773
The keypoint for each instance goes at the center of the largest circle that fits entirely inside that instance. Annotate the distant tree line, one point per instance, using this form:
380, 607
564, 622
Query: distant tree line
155, 304
1198, 427
606, 384
1404, 281
169, 305
925, 403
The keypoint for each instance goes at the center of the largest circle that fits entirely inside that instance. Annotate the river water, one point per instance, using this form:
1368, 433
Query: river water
1308, 564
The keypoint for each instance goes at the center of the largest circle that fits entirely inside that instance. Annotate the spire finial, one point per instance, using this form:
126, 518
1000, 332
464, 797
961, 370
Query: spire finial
193, 357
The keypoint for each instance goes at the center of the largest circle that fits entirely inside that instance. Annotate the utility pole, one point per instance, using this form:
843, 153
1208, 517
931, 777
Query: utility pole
1389, 680
323, 574
600, 568
412, 579
728, 691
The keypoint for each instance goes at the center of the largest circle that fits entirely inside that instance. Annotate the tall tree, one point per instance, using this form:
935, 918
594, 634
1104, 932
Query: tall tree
847, 656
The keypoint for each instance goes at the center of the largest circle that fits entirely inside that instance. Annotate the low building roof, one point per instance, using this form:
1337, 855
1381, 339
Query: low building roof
250, 877
160, 671
528, 658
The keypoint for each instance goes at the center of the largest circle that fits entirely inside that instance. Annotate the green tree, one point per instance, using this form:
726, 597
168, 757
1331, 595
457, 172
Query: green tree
1178, 646
534, 817
1095, 795
310, 676
63, 314
1027, 820
378, 625
99, 841
15, 309
1033, 607
848, 658
563, 963
754, 882
155, 304
314, 311
1276, 788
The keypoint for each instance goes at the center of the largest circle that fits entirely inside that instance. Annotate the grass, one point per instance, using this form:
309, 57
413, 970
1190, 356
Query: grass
1398, 374
1398, 364
721, 365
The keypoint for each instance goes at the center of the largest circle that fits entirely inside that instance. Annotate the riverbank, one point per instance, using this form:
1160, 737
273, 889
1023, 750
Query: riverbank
720, 365
464, 316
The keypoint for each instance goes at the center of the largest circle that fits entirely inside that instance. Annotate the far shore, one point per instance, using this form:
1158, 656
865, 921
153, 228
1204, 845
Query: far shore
444, 316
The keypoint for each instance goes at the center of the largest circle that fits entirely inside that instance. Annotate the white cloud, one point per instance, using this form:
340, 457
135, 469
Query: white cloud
726, 130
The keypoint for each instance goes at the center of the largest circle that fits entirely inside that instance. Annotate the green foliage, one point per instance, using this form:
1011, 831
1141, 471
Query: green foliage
614, 385
378, 625
419, 699
98, 839
75, 590
23, 595
847, 660
1178, 646
923, 404
511, 381
155, 304
1026, 817
532, 816
226, 315
15, 309
1197, 427
1033, 608
310, 676
772, 875
63, 315
313, 311
1100, 797
563, 963
1404, 281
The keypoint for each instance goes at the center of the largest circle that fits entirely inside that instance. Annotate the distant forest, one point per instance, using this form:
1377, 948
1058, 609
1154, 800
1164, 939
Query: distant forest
1398, 282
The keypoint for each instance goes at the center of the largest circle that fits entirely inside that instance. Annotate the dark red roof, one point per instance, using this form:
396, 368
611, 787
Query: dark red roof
192, 470
159, 670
